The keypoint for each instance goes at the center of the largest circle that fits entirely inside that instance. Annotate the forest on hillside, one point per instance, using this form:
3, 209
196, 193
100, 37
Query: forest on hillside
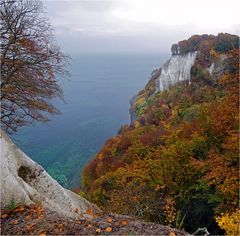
178, 163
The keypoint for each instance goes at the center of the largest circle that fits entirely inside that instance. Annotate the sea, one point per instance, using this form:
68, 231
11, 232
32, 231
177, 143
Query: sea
97, 96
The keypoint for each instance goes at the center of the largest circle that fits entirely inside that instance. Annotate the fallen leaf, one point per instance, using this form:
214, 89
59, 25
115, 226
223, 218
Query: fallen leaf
19, 209
15, 222
89, 211
109, 220
40, 216
98, 230
124, 222
42, 234
172, 233
41, 211
30, 226
60, 227
4, 216
28, 217
108, 230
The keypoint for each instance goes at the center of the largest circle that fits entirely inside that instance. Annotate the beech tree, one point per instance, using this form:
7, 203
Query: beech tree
30, 64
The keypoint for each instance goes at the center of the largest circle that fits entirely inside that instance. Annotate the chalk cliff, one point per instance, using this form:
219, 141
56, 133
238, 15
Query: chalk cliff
178, 68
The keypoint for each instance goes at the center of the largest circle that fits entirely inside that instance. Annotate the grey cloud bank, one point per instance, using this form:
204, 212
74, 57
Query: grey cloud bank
130, 26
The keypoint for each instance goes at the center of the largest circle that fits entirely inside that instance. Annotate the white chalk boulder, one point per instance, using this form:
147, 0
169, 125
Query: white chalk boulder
26, 182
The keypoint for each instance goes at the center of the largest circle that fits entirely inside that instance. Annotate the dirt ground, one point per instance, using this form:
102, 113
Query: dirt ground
34, 220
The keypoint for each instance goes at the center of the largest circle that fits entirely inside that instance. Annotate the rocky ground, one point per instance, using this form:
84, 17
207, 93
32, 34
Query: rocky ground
34, 220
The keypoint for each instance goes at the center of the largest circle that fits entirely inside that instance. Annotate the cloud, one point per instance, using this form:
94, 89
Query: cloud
137, 25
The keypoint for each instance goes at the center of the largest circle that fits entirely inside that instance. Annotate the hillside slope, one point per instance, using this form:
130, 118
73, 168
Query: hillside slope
177, 163
32, 203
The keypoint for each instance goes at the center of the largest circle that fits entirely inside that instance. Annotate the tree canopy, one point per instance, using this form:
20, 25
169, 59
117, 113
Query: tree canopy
30, 64
178, 162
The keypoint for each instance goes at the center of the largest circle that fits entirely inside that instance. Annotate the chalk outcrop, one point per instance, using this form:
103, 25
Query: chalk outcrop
177, 69
24, 181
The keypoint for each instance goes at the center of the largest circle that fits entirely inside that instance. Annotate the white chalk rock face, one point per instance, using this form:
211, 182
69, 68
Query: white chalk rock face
26, 182
211, 68
176, 69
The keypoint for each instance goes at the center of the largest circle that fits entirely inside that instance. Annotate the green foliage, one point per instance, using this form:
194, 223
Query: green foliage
226, 42
12, 204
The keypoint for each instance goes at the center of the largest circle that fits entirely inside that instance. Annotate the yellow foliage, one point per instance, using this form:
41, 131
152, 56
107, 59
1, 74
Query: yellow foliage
136, 124
230, 222
214, 54
140, 100
170, 211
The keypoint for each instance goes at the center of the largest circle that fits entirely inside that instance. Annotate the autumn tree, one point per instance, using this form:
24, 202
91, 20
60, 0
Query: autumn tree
30, 64
178, 162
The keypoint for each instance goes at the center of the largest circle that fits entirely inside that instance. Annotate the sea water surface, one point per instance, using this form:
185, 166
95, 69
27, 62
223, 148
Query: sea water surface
97, 104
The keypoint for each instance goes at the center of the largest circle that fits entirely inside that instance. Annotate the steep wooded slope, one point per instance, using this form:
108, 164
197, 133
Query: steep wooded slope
177, 163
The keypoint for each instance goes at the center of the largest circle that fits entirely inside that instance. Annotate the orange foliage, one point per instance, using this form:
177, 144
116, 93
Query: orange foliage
180, 164
29, 64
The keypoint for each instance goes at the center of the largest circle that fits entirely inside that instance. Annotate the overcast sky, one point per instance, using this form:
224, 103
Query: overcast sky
142, 26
